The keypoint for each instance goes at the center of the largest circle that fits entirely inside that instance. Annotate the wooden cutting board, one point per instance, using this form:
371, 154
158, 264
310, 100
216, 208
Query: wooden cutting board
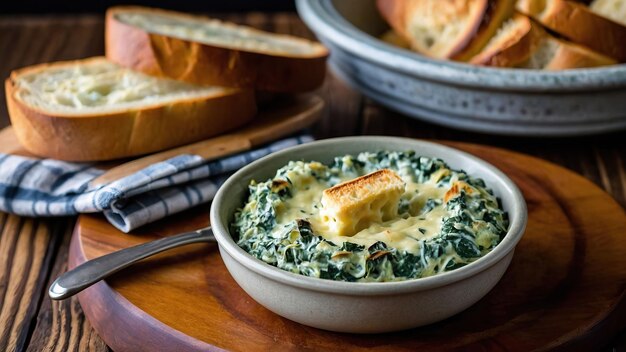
565, 286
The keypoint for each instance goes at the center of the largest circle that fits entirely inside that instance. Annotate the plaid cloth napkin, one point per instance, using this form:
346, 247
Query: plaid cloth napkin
47, 187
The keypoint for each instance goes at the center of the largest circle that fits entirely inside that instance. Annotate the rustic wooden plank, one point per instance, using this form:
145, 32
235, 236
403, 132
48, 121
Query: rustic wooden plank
344, 104
26, 251
620, 175
29, 247
61, 325
9, 36
30, 40
343, 109
610, 162
259, 20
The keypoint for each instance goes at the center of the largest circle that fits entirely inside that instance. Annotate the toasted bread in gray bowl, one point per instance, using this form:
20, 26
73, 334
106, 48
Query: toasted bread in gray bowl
492, 100
365, 307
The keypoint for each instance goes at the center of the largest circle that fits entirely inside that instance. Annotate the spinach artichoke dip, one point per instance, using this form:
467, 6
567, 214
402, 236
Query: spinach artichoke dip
383, 216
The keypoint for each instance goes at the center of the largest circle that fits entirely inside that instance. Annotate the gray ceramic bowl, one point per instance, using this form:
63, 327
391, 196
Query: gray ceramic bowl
502, 101
365, 307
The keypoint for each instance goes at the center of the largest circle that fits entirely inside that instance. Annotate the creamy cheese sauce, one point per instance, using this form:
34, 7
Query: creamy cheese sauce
401, 233
445, 220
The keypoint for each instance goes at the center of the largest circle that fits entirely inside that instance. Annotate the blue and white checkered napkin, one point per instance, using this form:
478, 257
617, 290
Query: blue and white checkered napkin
47, 187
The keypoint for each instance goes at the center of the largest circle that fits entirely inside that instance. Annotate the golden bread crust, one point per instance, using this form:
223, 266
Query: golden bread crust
579, 24
127, 132
204, 64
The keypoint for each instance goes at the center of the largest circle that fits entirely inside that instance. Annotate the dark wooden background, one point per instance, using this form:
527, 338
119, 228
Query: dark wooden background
34, 251
99, 6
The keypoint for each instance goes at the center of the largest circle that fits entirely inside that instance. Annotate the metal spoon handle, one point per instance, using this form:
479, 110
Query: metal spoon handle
97, 269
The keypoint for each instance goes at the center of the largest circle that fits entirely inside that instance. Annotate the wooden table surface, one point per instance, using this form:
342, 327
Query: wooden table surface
34, 251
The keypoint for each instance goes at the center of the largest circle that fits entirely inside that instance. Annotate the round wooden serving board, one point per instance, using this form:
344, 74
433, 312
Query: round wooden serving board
564, 288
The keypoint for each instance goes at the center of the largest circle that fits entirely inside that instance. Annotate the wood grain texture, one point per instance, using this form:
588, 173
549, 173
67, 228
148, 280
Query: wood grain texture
26, 41
30, 40
26, 251
35, 39
61, 325
565, 280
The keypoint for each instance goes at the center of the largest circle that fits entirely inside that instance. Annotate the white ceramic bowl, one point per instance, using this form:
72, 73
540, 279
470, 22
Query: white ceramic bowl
365, 307
494, 100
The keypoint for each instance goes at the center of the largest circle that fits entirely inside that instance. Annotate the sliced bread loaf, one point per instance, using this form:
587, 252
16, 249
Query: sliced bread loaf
513, 45
580, 24
393, 38
94, 109
522, 43
205, 51
446, 28
437, 28
611, 9
498, 12
558, 54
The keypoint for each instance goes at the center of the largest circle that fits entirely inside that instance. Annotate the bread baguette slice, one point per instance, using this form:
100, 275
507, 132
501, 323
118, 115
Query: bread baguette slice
94, 109
523, 43
612, 9
205, 51
498, 12
579, 24
351, 206
395, 39
513, 45
436, 28
446, 29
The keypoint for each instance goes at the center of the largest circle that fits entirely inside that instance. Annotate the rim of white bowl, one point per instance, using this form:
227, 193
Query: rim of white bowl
517, 224
323, 19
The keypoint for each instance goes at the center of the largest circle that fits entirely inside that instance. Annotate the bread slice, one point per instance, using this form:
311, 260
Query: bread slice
513, 45
352, 206
558, 54
205, 51
437, 28
498, 12
94, 109
612, 9
446, 28
522, 43
579, 24
395, 39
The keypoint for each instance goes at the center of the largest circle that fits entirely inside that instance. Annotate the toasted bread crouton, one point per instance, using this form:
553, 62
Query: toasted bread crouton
352, 206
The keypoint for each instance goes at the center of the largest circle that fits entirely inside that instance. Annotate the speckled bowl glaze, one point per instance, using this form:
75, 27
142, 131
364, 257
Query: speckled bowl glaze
365, 307
492, 100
